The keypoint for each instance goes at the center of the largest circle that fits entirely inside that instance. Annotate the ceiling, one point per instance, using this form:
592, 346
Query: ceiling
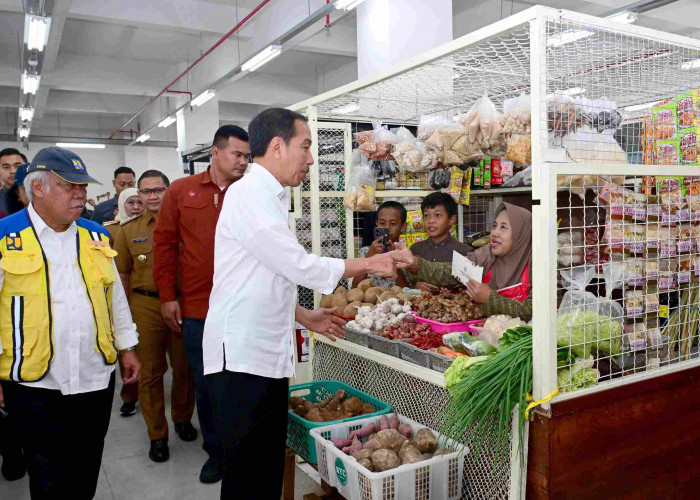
106, 60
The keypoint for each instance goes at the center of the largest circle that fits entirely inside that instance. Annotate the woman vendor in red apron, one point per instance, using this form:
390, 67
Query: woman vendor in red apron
507, 263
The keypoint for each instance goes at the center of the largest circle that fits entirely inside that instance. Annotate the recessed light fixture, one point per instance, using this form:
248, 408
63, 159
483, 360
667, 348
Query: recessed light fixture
567, 37
625, 17
23, 132
30, 83
346, 109
75, 145
36, 31
167, 121
203, 97
143, 138
347, 4
264, 56
26, 113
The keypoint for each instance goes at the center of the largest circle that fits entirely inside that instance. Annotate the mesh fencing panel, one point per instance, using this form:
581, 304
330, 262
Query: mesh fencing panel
484, 478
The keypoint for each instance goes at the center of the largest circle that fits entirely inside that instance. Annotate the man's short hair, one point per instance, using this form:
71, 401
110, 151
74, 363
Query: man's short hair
395, 205
225, 133
271, 123
124, 170
434, 200
12, 151
153, 173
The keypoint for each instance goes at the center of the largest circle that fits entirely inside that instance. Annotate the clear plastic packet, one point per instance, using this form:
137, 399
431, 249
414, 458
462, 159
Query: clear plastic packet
563, 117
403, 135
362, 182
439, 179
604, 115
517, 114
519, 149
483, 123
427, 124
522, 178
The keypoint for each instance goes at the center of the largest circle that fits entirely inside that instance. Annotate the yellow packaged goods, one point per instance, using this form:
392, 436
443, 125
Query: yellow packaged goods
465, 193
519, 149
414, 221
456, 179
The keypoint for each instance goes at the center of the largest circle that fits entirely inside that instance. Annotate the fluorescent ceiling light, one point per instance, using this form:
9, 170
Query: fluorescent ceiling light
691, 64
26, 113
625, 17
639, 107
203, 97
143, 138
264, 56
346, 109
36, 31
347, 4
74, 145
574, 91
567, 37
167, 121
30, 83
24, 132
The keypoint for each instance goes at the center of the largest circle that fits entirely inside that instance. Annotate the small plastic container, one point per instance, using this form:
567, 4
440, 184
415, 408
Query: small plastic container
413, 354
356, 337
384, 345
438, 362
449, 327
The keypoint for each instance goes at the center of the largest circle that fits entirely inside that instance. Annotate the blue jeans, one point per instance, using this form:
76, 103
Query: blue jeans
192, 330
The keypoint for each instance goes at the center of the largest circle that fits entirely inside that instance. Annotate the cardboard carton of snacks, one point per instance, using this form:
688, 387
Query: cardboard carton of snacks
664, 121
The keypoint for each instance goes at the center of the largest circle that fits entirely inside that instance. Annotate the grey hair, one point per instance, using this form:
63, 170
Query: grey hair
43, 177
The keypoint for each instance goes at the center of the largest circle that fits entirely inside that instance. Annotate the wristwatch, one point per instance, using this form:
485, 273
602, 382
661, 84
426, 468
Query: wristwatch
132, 348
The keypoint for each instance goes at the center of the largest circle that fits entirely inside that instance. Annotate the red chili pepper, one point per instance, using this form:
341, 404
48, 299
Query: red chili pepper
429, 340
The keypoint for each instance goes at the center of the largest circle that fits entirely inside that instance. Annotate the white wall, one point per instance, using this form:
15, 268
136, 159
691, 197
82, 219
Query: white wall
101, 163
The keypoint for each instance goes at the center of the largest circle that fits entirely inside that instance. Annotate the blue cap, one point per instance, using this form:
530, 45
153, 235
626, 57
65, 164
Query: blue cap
21, 174
64, 163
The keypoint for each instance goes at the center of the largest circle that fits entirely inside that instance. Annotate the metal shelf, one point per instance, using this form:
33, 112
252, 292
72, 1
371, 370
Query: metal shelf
501, 191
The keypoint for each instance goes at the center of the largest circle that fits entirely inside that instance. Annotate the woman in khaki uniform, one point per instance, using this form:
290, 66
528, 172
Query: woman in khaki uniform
134, 244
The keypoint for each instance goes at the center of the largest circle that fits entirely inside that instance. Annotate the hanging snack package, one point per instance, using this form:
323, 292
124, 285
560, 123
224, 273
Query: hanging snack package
685, 237
651, 301
362, 181
634, 273
456, 179
668, 241
439, 179
663, 119
384, 139
634, 303
668, 269
428, 124
603, 115
635, 238
465, 194
414, 221
483, 123
614, 237
684, 269
519, 149
517, 114
562, 115
653, 238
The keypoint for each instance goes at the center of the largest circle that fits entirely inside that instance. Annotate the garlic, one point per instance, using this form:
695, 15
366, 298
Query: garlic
401, 316
364, 310
396, 308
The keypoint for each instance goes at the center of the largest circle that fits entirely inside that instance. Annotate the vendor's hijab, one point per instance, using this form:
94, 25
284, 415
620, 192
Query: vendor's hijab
123, 196
507, 270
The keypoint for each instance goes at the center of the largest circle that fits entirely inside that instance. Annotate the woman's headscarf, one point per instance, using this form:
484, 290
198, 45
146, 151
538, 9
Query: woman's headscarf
507, 270
123, 196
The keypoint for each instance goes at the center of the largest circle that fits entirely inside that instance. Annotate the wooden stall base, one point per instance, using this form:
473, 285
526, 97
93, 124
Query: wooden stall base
640, 441
290, 466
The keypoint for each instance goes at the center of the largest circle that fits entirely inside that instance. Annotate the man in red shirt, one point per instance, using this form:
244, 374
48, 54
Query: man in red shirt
184, 241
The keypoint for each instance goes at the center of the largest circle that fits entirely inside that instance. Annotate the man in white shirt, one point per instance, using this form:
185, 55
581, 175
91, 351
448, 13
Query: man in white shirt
248, 342
64, 323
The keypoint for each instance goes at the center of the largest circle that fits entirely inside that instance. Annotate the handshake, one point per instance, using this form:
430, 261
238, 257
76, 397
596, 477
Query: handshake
385, 265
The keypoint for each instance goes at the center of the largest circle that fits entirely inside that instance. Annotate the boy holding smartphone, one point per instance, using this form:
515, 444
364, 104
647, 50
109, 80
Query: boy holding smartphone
391, 223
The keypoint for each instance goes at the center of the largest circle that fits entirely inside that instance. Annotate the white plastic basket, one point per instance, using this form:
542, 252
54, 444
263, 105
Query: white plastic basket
439, 478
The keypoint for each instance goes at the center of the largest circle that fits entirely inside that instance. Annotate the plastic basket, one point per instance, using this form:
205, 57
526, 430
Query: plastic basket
387, 346
439, 362
413, 354
298, 437
438, 478
356, 337
449, 327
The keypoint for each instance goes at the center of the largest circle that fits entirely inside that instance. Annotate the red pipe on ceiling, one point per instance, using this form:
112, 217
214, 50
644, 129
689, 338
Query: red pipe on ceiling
199, 59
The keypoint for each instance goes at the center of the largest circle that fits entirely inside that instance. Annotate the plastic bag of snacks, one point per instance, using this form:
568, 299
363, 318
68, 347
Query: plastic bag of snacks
439, 179
483, 123
413, 155
562, 115
429, 123
376, 144
362, 182
518, 116
519, 149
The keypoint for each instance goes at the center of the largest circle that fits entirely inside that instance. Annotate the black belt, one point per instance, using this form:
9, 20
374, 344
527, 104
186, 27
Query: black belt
155, 295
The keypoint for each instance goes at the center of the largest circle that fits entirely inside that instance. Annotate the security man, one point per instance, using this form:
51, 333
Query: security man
134, 245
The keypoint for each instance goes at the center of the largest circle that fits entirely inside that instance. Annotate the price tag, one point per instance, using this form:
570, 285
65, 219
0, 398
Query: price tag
464, 269
663, 311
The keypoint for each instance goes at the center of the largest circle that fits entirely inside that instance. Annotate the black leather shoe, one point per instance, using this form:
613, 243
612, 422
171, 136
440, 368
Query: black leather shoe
211, 471
13, 468
186, 431
128, 409
159, 450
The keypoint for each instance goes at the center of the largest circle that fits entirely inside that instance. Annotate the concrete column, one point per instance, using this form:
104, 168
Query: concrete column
390, 31
197, 127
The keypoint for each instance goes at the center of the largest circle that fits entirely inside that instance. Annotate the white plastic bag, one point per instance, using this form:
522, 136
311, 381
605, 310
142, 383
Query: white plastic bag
588, 146
483, 123
362, 182
428, 124
522, 178
517, 115
577, 278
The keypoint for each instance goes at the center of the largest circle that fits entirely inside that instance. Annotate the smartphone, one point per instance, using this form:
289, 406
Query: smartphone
383, 233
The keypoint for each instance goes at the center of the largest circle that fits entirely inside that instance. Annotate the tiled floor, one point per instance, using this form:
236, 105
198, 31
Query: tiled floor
128, 474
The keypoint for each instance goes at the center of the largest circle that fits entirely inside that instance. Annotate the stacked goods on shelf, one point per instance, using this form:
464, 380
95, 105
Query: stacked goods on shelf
360, 302
670, 136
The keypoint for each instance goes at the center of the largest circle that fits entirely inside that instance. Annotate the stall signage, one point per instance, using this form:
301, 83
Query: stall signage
340, 472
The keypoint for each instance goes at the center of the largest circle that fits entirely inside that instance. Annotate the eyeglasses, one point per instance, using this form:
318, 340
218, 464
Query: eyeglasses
149, 192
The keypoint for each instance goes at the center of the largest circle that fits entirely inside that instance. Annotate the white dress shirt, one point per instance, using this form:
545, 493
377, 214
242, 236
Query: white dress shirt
258, 264
77, 366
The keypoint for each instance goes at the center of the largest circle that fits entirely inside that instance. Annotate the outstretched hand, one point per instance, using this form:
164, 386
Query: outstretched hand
322, 321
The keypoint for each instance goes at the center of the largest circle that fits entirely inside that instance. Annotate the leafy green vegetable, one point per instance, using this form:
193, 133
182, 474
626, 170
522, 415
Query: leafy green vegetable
582, 330
577, 376
513, 335
564, 357
460, 367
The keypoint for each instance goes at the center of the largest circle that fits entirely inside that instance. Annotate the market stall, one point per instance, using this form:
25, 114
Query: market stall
593, 126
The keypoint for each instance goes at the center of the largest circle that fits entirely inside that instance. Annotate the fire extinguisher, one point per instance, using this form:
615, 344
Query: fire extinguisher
303, 343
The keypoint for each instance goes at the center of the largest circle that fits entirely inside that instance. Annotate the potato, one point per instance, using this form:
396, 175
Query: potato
396, 289
425, 441
427, 456
372, 445
367, 408
366, 463
372, 294
444, 451
351, 309
327, 301
386, 296
391, 439
385, 460
382, 289
331, 415
341, 289
404, 298
352, 405
356, 295
409, 454
367, 304
363, 454
339, 301
295, 401
364, 285
314, 415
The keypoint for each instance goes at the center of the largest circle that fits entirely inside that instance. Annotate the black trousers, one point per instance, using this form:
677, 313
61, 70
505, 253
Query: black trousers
251, 416
62, 437
10, 444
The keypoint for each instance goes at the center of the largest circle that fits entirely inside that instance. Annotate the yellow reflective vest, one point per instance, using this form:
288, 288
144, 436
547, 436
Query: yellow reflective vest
26, 318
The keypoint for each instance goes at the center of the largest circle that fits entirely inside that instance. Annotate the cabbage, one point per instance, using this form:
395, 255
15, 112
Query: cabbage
579, 375
460, 367
581, 330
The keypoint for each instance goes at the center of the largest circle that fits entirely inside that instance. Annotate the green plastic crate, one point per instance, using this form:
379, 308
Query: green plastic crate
298, 437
